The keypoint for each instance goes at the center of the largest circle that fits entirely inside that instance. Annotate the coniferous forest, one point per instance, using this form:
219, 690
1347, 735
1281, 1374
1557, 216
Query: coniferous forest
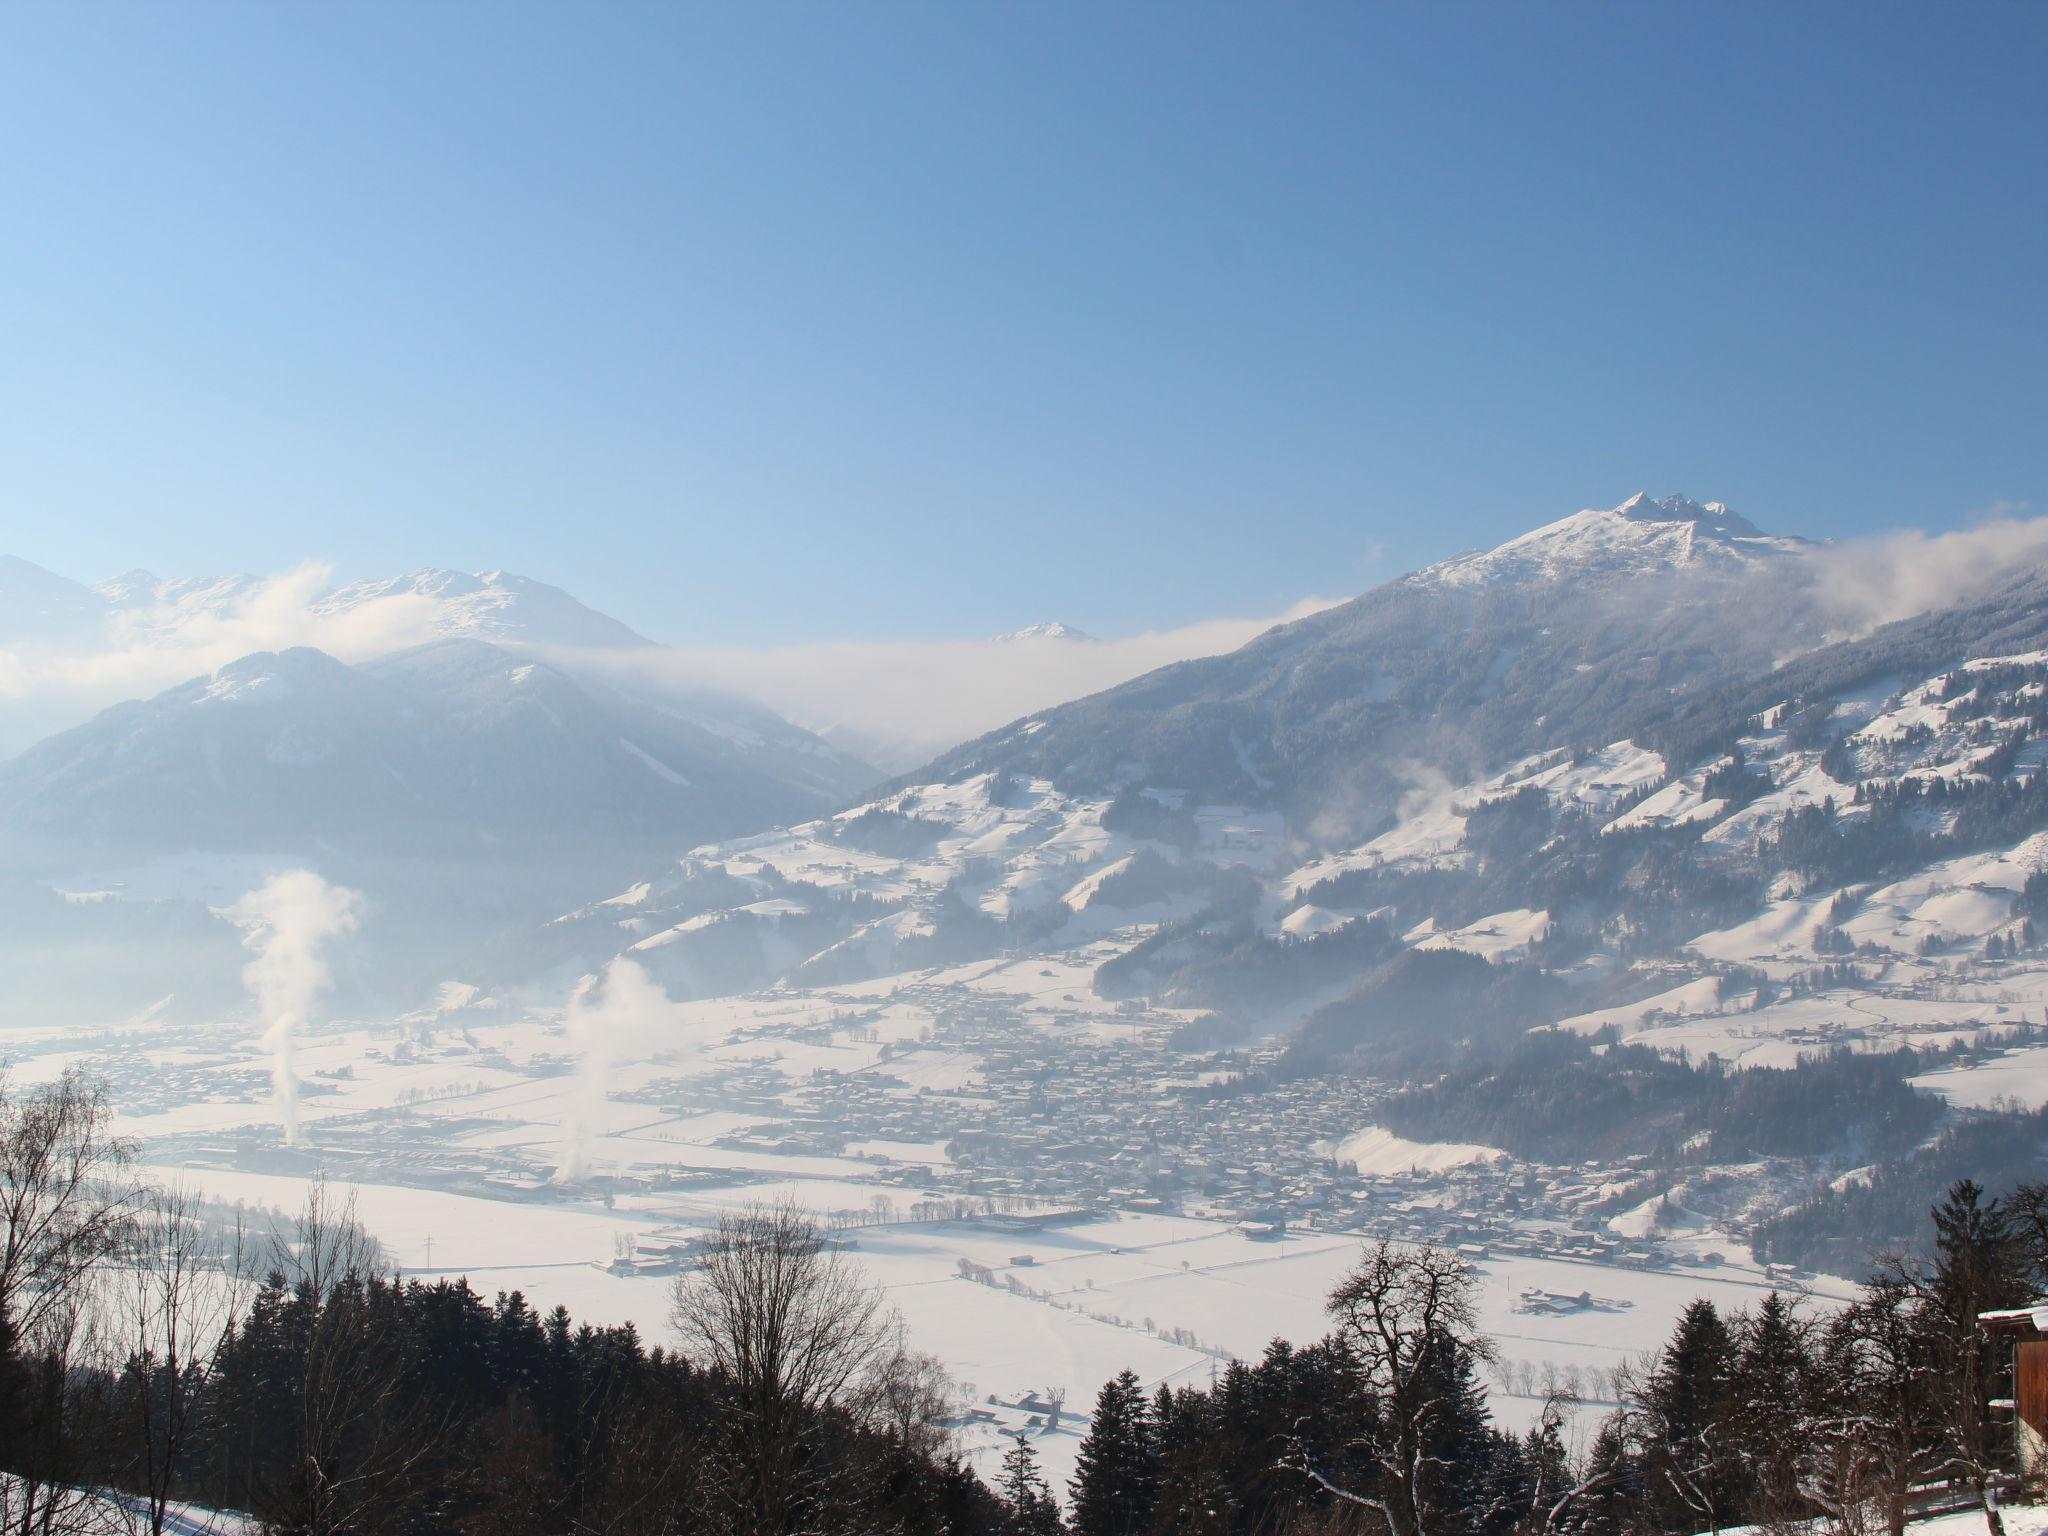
152, 1356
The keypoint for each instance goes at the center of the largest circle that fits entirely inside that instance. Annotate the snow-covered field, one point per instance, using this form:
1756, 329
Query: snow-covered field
531, 1152
1058, 1312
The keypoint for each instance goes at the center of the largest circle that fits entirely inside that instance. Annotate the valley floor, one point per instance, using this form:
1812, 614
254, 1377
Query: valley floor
1013, 1160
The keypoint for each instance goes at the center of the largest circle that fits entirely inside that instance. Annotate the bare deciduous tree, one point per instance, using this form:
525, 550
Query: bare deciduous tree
56, 1405
910, 1397
65, 1196
360, 1434
1410, 1315
65, 1202
175, 1293
785, 1316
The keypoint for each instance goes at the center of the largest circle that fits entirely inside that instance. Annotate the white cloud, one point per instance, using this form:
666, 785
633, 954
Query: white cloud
1871, 581
894, 703
158, 645
898, 704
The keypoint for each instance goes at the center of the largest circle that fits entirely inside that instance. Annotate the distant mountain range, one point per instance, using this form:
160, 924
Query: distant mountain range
457, 748
1380, 763
470, 785
37, 606
1517, 836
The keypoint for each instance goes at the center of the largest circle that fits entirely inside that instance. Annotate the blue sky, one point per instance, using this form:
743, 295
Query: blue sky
774, 323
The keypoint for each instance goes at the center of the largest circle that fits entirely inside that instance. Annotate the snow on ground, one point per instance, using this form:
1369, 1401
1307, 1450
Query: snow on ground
1677, 804
1376, 1150
1501, 936
1431, 837
2016, 1077
2020, 1520
1433, 833
1056, 1312
107, 1511
1596, 781
1309, 921
1692, 997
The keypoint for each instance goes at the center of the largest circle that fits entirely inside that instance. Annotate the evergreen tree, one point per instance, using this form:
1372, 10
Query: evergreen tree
1685, 1404
1033, 1510
1771, 1385
1980, 1265
1464, 1459
1115, 1476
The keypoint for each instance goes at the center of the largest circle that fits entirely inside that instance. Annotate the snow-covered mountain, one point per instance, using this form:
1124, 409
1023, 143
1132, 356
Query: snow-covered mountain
458, 742
469, 789
497, 606
1052, 629
1780, 858
67, 651
1568, 633
42, 607
1643, 536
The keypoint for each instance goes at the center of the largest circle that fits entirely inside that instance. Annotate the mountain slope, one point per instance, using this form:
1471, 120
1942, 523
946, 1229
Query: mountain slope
1453, 670
497, 606
42, 608
469, 790
493, 605
455, 746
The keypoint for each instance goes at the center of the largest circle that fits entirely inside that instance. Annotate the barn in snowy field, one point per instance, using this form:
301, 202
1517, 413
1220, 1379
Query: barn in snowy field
2025, 1329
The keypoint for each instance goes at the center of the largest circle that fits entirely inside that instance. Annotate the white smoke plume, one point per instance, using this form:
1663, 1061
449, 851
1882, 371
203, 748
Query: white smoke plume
289, 922
610, 1016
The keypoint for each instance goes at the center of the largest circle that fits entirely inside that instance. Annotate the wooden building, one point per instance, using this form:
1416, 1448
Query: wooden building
2026, 1330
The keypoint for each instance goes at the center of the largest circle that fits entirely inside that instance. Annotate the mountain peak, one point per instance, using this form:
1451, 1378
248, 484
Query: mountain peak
130, 588
1643, 536
493, 605
1052, 629
1709, 516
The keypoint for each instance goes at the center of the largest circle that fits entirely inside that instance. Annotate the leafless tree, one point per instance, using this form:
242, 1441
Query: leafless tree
175, 1290
361, 1435
785, 1316
1407, 1314
1554, 1500
909, 1397
65, 1194
51, 1446
65, 1202
1878, 1433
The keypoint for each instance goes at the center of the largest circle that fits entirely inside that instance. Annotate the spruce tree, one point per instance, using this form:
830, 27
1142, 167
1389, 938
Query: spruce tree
1980, 1265
1686, 1402
1033, 1510
1771, 1387
1116, 1474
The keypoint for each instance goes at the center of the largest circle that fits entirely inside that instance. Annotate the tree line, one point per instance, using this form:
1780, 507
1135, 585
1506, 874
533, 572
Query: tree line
153, 1353
1785, 1417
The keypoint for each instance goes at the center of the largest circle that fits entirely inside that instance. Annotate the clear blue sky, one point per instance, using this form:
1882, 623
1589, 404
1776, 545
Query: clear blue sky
762, 323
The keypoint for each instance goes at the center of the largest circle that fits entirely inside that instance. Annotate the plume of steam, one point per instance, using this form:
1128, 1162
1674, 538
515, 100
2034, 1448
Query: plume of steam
608, 1014
288, 922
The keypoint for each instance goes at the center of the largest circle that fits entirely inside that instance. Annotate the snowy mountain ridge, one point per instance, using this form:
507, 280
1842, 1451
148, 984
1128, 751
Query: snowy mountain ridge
1641, 536
1052, 629
498, 606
